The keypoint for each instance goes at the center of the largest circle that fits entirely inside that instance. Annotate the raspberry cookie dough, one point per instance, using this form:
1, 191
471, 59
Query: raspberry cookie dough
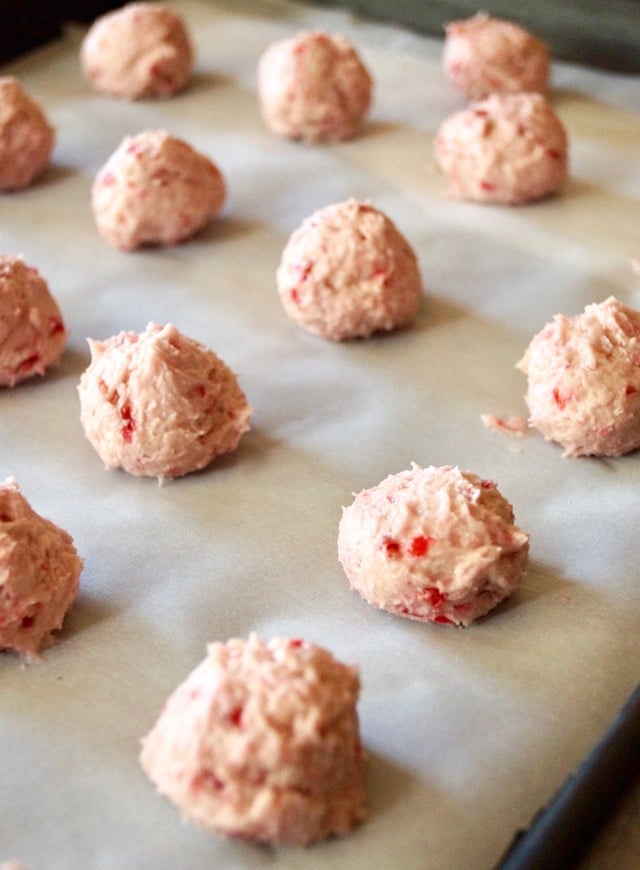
433, 544
39, 574
484, 55
155, 189
261, 742
506, 149
160, 404
583, 380
347, 272
141, 50
313, 87
32, 333
26, 137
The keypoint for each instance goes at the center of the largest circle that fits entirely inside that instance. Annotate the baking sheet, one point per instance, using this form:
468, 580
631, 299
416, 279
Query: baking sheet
468, 732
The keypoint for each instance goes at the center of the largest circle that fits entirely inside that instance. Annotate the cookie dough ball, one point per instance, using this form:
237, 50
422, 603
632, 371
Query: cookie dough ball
39, 574
261, 742
141, 50
507, 149
583, 380
484, 55
155, 189
160, 404
433, 544
32, 332
348, 272
26, 137
313, 87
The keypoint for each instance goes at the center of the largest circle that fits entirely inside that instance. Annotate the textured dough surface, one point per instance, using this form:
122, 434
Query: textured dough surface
26, 137
313, 87
141, 50
39, 574
348, 272
583, 380
507, 149
484, 55
32, 332
155, 189
160, 404
433, 544
261, 742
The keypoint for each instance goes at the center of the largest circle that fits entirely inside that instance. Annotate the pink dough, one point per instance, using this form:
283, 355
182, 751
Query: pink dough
160, 404
32, 333
514, 425
39, 574
26, 137
583, 380
313, 87
140, 50
155, 190
484, 55
348, 272
261, 742
433, 544
507, 149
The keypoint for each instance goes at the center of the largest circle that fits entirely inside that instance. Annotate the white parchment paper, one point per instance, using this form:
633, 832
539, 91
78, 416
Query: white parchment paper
469, 732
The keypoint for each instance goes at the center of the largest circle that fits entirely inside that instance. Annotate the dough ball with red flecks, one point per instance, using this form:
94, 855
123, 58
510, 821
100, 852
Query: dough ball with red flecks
32, 332
261, 742
484, 55
348, 272
26, 137
140, 50
155, 189
160, 404
313, 87
433, 544
583, 380
39, 574
506, 149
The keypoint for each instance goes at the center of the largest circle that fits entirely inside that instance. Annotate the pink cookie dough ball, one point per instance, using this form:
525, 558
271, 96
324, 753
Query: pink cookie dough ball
155, 189
140, 50
313, 87
347, 272
261, 742
506, 149
160, 404
26, 137
39, 574
432, 544
32, 332
583, 380
484, 55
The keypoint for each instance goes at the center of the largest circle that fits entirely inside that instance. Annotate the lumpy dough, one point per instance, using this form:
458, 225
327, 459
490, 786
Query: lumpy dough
32, 332
583, 380
39, 574
261, 742
26, 137
506, 149
484, 55
313, 87
155, 189
141, 50
435, 544
348, 272
160, 404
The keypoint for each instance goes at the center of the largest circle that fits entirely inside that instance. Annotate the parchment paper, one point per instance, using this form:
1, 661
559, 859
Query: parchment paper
468, 732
